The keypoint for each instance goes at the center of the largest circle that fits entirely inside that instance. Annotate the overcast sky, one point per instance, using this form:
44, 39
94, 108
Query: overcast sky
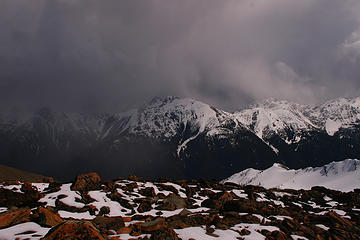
91, 55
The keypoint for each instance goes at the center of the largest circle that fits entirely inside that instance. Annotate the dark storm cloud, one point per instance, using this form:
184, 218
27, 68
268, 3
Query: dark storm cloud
91, 55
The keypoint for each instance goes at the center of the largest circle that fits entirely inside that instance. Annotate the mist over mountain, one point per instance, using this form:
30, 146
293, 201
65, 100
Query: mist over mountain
181, 138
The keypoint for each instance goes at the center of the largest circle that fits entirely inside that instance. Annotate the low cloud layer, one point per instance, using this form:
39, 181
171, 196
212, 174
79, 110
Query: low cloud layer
90, 55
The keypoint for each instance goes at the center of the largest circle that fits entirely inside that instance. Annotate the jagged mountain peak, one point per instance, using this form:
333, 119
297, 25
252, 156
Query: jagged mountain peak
163, 117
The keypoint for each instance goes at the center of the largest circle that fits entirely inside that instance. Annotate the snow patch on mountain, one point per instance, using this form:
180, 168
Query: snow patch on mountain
332, 126
342, 176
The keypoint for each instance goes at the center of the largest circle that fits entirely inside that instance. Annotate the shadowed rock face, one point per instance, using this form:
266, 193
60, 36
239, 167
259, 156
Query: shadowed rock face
182, 138
173, 209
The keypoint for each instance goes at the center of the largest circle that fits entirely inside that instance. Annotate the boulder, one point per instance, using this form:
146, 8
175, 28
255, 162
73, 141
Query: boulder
86, 182
104, 210
74, 229
46, 218
14, 217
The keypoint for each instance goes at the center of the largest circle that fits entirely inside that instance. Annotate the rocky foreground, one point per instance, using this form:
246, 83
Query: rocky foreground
133, 208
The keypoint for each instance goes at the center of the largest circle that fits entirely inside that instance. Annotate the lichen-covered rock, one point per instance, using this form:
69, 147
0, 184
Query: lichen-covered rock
172, 202
13, 217
74, 230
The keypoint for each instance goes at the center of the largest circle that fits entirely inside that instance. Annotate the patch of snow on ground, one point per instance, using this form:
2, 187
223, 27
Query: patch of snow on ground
240, 193
15, 232
50, 198
3, 209
103, 201
179, 188
322, 227
40, 186
76, 215
296, 237
14, 188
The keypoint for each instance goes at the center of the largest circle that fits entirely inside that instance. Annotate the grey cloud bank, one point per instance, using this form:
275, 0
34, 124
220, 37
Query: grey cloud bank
89, 55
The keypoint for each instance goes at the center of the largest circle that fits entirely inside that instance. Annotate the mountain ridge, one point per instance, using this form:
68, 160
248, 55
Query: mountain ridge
187, 135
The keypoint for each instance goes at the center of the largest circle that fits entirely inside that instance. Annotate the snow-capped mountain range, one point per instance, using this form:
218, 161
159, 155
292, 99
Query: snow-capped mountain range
341, 176
183, 137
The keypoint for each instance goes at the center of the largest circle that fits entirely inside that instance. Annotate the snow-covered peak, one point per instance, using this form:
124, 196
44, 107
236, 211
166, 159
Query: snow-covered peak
275, 116
163, 117
346, 111
272, 116
342, 176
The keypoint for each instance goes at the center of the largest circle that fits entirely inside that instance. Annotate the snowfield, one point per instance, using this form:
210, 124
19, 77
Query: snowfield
342, 176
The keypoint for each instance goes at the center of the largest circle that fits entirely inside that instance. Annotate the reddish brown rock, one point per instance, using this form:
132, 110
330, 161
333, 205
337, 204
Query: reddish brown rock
134, 178
115, 196
13, 217
144, 206
211, 203
29, 197
46, 218
147, 192
244, 232
164, 233
124, 230
86, 182
74, 230
168, 188
104, 210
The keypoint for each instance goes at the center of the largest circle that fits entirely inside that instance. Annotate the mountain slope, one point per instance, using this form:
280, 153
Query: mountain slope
13, 174
342, 176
